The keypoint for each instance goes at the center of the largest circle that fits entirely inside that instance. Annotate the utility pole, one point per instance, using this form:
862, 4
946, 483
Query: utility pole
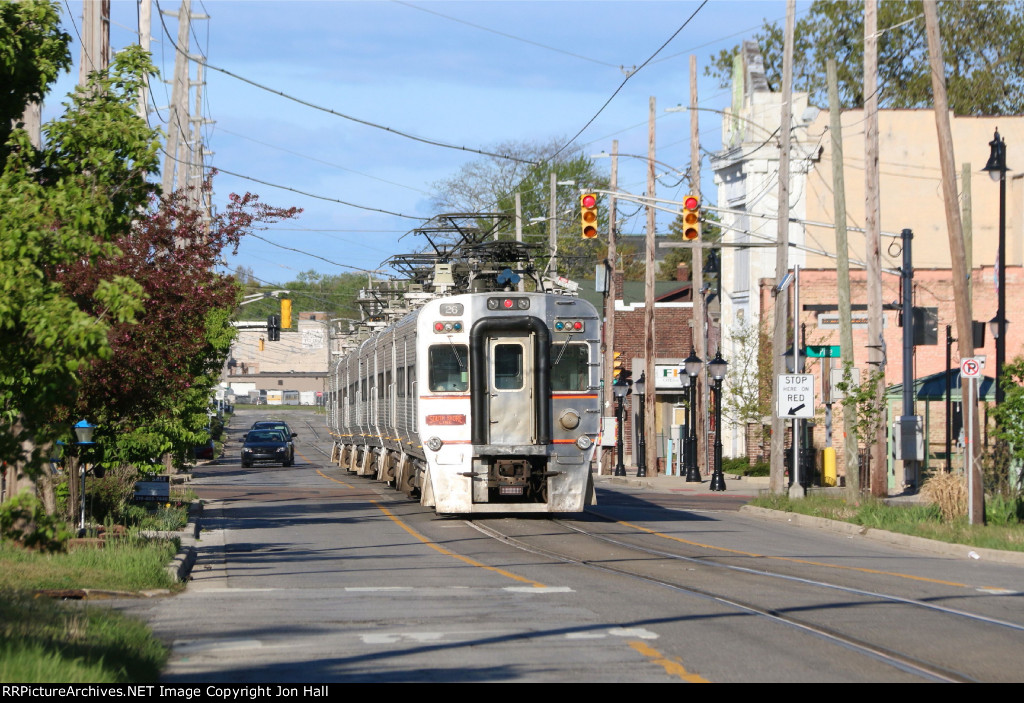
609, 301
553, 226
95, 54
958, 256
197, 157
145, 39
698, 335
850, 439
778, 443
873, 236
178, 113
650, 418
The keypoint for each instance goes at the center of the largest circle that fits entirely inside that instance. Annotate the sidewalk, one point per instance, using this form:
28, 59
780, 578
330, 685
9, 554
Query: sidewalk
751, 487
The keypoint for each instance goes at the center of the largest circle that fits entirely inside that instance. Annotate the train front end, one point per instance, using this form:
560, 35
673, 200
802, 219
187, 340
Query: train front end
509, 409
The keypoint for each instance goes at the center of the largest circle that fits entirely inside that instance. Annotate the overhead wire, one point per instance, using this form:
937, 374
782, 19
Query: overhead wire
506, 34
321, 108
315, 256
630, 75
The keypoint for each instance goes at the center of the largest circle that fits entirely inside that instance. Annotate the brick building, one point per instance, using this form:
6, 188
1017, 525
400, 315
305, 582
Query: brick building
933, 292
673, 337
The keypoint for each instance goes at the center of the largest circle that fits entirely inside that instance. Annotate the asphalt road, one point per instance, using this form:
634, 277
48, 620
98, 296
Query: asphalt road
309, 574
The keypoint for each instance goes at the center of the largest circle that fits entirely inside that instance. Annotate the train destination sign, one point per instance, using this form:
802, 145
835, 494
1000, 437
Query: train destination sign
796, 396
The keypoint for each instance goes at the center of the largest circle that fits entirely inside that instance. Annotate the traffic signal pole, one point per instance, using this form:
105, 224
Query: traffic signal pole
611, 265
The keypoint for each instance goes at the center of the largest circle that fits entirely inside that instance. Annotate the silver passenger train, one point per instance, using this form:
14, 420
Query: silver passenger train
481, 402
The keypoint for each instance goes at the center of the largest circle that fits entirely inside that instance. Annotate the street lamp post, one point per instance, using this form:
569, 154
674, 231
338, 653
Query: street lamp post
996, 168
83, 434
641, 445
684, 448
716, 367
693, 365
620, 389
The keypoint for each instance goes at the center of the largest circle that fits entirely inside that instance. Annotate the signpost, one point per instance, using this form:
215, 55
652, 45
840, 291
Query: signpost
970, 370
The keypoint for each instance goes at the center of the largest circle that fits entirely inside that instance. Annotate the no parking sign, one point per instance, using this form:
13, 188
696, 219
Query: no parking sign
970, 367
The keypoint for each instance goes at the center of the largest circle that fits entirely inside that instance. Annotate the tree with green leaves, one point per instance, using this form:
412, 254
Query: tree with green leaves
65, 205
33, 53
334, 294
1009, 429
983, 50
747, 397
490, 185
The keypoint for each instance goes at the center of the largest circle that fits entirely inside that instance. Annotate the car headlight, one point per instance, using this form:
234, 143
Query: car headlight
246, 450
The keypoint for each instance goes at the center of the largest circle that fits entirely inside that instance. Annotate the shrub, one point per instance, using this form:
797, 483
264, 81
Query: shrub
23, 519
1004, 510
949, 493
111, 495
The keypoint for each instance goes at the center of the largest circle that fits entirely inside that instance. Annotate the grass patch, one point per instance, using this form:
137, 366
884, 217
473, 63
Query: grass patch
121, 565
918, 520
43, 641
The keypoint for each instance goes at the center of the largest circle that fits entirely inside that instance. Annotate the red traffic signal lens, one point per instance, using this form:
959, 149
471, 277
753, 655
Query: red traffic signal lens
691, 203
589, 201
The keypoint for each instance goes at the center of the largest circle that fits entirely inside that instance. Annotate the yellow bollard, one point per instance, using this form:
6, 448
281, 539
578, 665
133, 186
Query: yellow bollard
828, 462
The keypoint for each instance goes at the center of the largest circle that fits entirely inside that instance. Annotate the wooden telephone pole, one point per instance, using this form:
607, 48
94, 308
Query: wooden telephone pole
958, 256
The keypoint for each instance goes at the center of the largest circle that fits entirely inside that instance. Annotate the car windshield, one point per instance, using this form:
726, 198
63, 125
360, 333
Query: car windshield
265, 436
271, 425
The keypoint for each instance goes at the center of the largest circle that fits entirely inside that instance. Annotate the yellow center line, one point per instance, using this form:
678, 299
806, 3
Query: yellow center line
329, 478
437, 547
794, 560
673, 667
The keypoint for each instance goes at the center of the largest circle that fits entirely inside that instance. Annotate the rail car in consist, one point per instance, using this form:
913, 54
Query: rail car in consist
481, 402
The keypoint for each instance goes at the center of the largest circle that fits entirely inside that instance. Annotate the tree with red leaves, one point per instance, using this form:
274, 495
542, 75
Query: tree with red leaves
151, 395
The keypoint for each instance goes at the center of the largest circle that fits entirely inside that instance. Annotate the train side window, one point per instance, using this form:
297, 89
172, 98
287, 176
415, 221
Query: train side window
572, 370
448, 370
508, 366
400, 382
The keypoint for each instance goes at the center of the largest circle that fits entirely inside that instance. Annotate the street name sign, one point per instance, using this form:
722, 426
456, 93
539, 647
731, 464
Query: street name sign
796, 396
822, 351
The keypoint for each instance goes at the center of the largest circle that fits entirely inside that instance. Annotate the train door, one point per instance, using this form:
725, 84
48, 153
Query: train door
511, 402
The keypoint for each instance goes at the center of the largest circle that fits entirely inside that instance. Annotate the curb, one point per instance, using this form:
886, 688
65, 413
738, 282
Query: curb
958, 551
182, 563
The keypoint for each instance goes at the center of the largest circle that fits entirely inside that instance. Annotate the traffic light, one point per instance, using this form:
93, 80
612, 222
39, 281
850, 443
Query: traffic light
273, 328
588, 215
616, 366
261, 343
286, 313
691, 218
713, 271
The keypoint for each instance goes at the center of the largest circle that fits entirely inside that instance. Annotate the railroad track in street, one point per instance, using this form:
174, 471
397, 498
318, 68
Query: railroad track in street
788, 592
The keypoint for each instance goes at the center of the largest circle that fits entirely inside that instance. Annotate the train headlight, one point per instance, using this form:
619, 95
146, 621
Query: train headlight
584, 442
434, 444
570, 419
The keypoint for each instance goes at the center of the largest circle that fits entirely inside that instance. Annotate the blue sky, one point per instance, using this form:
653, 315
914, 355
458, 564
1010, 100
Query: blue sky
529, 71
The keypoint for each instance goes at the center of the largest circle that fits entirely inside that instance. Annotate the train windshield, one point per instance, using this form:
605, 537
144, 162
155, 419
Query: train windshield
570, 370
448, 367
